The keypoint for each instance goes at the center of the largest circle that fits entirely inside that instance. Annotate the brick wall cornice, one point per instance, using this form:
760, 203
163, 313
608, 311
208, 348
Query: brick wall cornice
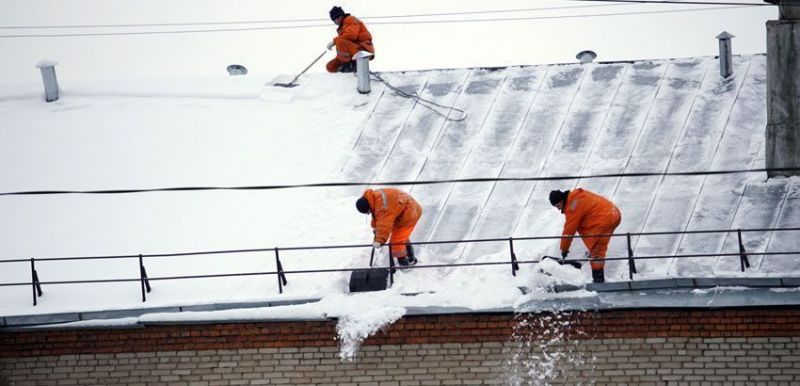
459, 328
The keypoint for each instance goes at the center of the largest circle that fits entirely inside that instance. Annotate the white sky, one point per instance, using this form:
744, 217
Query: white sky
399, 46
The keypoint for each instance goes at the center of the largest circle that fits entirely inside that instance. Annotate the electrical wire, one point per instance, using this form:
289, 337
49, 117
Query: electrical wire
677, 2
443, 21
364, 18
430, 105
432, 242
392, 183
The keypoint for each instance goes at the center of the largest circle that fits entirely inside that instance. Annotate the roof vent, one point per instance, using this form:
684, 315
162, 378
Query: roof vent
48, 70
237, 69
725, 54
586, 56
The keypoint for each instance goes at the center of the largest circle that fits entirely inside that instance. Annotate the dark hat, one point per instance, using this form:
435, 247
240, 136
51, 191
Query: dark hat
362, 205
557, 196
336, 12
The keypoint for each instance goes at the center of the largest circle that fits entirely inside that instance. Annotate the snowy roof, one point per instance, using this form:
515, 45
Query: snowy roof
558, 120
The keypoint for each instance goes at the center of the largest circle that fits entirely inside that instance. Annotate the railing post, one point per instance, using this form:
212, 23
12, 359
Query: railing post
371, 257
281, 276
36, 287
514, 265
145, 283
743, 261
631, 263
391, 266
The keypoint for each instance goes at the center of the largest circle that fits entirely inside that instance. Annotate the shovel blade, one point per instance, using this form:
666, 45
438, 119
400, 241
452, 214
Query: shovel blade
575, 264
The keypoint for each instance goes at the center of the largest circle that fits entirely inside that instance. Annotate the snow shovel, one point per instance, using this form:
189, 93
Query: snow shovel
370, 279
292, 84
562, 261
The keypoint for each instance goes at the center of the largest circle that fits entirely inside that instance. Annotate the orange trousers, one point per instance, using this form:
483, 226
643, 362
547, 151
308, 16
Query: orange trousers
398, 240
345, 50
598, 246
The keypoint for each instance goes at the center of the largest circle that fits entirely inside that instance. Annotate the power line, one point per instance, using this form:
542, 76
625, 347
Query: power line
393, 183
677, 2
376, 23
177, 24
615, 3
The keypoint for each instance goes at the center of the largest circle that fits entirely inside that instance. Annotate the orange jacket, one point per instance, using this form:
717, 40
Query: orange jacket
355, 31
586, 213
391, 209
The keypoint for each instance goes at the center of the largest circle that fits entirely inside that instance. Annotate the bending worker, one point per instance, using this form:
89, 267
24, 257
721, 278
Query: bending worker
589, 214
353, 37
394, 215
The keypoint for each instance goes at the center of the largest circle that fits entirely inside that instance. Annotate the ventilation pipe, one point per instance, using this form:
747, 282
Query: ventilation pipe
725, 54
362, 70
48, 68
586, 56
783, 90
236, 69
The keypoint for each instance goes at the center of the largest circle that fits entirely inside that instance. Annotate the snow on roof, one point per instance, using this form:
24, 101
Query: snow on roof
558, 120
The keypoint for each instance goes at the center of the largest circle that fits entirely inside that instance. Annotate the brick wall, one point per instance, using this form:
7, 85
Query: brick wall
657, 347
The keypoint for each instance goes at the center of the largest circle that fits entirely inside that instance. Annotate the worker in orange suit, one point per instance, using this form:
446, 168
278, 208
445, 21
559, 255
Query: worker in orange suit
353, 37
589, 214
394, 215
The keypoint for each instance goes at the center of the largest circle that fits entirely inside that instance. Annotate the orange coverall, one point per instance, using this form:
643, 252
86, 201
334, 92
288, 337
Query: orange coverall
395, 213
590, 214
353, 37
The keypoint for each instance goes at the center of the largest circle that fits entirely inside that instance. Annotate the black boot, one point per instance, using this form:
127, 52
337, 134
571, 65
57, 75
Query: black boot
598, 276
410, 253
348, 66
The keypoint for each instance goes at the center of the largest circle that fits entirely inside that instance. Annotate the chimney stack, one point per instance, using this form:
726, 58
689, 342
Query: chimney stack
783, 90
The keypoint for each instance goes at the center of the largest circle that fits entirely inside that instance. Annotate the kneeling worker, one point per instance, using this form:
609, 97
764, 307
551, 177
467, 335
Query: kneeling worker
394, 215
589, 214
353, 37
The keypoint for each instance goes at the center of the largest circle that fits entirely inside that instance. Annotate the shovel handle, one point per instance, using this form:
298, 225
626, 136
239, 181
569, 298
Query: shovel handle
306, 69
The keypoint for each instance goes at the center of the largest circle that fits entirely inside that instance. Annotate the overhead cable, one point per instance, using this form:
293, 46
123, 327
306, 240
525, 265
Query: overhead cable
674, 2
393, 183
405, 22
271, 21
429, 104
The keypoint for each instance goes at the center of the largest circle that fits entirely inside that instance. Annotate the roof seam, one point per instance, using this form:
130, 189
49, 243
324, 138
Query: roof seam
510, 150
466, 156
677, 139
682, 237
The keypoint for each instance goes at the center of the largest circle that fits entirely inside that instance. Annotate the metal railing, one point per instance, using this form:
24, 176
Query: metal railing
513, 262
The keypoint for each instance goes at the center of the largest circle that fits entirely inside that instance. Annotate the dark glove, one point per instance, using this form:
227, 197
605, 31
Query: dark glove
570, 262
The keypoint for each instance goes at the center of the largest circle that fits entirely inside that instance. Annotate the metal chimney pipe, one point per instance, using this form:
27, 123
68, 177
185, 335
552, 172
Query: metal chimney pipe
362, 71
725, 54
48, 69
